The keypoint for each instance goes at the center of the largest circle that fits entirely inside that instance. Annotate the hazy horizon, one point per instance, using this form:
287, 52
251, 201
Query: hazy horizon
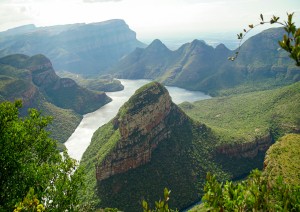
173, 21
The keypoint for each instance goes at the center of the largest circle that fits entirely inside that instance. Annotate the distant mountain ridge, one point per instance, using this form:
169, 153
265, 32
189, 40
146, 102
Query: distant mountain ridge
198, 66
79, 48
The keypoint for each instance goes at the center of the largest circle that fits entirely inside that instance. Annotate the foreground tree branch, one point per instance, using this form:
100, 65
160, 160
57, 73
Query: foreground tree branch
290, 41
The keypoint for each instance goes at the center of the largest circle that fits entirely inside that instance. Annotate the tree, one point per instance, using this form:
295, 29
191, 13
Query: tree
253, 194
161, 205
290, 41
30, 160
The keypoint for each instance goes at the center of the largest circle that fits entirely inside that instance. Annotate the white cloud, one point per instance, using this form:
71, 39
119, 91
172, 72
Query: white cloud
95, 1
149, 18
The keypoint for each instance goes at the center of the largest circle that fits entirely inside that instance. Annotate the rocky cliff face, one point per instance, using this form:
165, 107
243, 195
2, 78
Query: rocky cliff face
39, 76
78, 48
248, 149
142, 124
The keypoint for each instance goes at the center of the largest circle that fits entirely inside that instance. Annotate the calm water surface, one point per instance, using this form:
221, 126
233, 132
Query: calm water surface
81, 138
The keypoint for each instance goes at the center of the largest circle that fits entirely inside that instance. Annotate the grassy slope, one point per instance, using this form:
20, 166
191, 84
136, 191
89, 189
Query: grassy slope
283, 159
241, 118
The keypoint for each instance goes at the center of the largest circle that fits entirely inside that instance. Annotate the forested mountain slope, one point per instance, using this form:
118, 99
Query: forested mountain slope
152, 144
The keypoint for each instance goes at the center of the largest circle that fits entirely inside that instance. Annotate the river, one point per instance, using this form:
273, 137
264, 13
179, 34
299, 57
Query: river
81, 138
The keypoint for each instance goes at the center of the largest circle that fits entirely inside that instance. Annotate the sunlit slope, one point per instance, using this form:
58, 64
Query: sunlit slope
242, 118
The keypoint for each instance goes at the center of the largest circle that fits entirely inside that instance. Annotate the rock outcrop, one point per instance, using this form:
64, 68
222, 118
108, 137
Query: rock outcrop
142, 125
247, 149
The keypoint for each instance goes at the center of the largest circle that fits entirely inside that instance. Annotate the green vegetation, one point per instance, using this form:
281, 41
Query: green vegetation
103, 141
32, 169
180, 162
198, 66
102, 83
60, 98
253, 194
161, 205
283, 159
134, 103
12, 88
35, 74
30, 203
243, 118
64, 121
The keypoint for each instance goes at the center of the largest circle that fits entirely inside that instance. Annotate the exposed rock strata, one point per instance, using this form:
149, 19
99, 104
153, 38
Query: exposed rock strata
247, 150
142, 127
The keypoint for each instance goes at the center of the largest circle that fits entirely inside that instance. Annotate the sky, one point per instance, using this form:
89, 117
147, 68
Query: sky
150, 19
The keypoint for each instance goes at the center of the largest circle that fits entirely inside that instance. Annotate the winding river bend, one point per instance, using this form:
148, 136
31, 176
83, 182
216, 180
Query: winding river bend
81, 138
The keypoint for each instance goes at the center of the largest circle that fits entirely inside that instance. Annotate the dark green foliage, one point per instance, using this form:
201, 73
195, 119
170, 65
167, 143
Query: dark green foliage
161, 205
253, 194
30, 160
